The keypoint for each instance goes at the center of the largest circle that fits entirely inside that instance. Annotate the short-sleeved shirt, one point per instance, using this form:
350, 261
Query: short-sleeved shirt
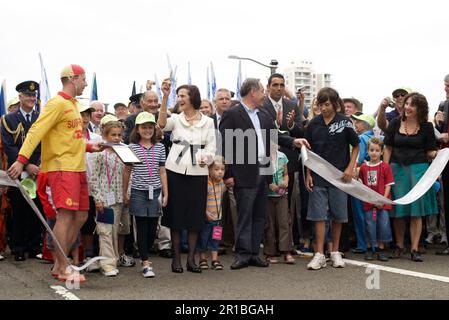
377, 177
141, 178
410, 149
331, 142
278, 175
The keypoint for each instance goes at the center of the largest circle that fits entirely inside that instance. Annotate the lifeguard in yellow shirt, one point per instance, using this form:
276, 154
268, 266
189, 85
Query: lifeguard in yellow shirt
59, 131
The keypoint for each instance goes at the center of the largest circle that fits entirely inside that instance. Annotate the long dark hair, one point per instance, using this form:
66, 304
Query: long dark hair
135, 137
419, 101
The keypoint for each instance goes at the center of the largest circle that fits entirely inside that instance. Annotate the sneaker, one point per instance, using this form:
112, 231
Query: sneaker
94, 267
429, 239
110, 272
337, 260
443, 239
148, 271
126, 261
2, 258
318, 262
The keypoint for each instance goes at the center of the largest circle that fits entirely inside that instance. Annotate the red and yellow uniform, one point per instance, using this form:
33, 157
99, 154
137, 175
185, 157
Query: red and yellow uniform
63, 147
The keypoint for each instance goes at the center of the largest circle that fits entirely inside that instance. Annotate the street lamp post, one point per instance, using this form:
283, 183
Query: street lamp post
272, 66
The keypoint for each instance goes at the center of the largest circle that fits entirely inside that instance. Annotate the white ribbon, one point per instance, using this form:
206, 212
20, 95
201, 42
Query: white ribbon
5, 180
359, 190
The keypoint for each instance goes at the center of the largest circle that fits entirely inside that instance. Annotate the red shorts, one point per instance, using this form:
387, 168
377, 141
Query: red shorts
69, 190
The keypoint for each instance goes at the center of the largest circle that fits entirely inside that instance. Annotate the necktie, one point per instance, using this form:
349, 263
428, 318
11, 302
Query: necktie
28, 118
278, 113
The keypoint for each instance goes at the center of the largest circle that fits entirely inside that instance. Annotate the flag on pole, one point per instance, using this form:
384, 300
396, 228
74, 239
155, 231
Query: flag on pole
3, 106
208, 85
94, 93
189, 76
214, 82
172, 97
44, 90
239, 81
158, 87
133, 91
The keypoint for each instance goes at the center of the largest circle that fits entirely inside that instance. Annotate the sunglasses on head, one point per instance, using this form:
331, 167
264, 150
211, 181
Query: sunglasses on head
401, 94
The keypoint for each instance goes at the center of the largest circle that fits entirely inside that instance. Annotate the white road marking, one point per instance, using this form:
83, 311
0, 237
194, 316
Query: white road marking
398, 271
66, 294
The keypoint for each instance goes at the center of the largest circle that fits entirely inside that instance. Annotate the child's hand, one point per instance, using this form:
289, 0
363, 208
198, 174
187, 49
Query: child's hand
99, 206
210, 216
164, 200
274, 187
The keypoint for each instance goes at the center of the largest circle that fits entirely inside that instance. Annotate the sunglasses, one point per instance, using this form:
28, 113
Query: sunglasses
397, 95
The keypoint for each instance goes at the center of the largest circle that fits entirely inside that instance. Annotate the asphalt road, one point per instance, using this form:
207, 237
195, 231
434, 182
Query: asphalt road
31, 280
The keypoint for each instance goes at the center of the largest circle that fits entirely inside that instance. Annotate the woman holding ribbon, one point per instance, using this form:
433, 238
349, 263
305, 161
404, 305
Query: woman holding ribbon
194, 146
410, 144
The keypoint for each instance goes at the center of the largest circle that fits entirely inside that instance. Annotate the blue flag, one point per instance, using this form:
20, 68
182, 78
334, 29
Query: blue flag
172, 98
213, 85
94, 93
3, 99
158, 87
208, 85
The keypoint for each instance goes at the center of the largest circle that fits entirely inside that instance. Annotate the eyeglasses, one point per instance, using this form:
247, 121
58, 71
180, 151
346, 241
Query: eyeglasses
397, 95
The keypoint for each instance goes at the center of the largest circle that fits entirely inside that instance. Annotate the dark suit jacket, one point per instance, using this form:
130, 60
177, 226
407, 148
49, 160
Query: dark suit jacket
246, 174
444, 106
214, 117
297, 131
12, 148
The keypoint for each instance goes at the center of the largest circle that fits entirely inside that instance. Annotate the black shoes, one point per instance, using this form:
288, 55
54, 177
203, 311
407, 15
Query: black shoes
257, 262
166, 253
176, 269
19, 256
238, 265
416, 256
193, 268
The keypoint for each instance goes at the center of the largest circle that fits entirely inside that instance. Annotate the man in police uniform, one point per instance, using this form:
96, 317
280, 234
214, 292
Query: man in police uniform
26, 233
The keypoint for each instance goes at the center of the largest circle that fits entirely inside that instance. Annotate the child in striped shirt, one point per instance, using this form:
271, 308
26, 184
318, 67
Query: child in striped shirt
211, 230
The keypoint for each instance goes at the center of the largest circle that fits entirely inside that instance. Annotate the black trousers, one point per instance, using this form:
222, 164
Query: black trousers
26, 226
146, 233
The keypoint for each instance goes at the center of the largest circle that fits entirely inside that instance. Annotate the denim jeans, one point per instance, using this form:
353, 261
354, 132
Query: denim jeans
378, 230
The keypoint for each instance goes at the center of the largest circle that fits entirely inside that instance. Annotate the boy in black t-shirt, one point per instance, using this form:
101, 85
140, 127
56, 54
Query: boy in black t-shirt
330, 135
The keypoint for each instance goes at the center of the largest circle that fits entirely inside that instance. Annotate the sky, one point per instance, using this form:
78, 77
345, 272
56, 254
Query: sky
369, 47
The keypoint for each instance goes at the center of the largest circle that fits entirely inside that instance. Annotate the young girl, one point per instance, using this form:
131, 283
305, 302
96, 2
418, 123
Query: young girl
208, 240
149, 179
278, 228
377, 175
106, 182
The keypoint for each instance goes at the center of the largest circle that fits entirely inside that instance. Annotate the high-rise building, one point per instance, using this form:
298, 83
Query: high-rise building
300, 74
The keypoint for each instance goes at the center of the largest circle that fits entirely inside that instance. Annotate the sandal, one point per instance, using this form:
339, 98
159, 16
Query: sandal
216, 265
203, 264
288, 259
272, 260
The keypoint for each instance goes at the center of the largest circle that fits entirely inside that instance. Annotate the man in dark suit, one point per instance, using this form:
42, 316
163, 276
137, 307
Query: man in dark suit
247, 153
287, 117
26, 230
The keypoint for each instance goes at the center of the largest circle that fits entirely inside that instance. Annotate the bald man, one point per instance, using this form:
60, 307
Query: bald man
97, 115
149, 102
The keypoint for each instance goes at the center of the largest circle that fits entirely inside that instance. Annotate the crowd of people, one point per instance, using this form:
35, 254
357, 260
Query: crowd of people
200, 190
